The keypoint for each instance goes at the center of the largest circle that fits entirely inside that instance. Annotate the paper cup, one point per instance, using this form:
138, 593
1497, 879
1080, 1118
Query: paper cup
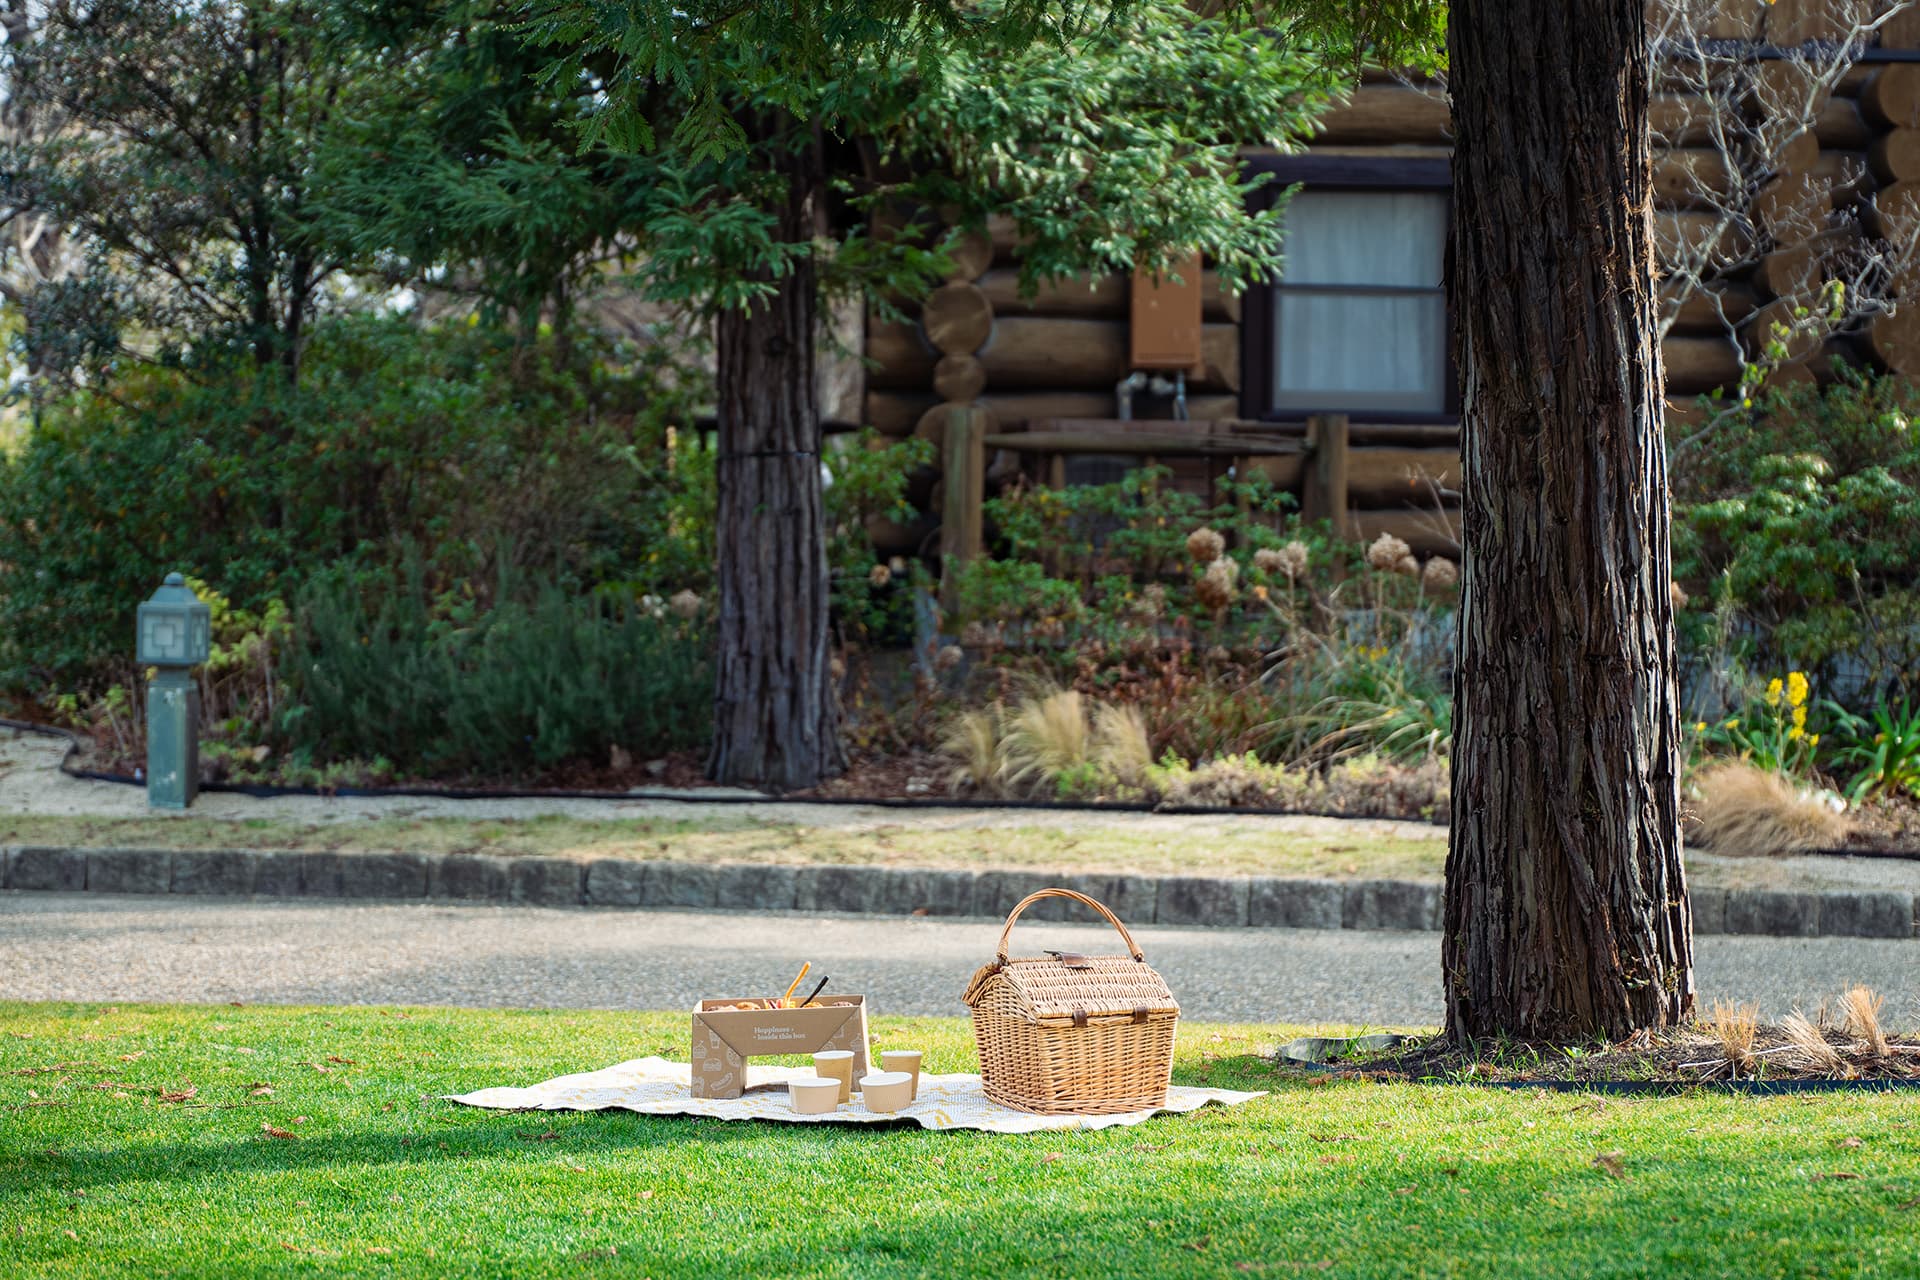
837, 1063
905, 1060
815, 1097
886, 1091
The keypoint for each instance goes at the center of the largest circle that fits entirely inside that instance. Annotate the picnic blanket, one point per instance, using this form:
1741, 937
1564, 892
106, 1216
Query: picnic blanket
657, 1087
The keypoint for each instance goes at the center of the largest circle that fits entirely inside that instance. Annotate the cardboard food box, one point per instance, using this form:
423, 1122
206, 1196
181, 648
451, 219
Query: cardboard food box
724, 1038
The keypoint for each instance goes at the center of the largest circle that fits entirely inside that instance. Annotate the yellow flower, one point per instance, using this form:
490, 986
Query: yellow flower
1796, 733
1732, 722
1796, 687
1813, 739
1260, 593
1700, 727
1773, 692
1800, 718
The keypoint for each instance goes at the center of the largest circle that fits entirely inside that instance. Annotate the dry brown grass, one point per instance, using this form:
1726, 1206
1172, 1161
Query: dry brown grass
1862, 1009
1733, 1026
1745, 810
972, 744
1046, 735
1812, 1047
1120, 743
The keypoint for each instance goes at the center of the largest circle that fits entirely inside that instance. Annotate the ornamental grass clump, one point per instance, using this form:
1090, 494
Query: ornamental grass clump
1734, 1026
1742, 809
1046, 736
1862, 1007
1120, 744
972, 744
1812, 1049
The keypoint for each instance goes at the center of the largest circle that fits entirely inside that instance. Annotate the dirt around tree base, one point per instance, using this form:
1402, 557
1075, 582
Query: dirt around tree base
1727, 1049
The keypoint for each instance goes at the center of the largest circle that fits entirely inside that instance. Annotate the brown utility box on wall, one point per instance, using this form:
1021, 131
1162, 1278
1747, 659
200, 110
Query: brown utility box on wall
1166, 318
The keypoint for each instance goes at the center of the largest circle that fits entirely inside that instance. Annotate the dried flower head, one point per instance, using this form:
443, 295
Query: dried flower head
685, 604
1387, 552
1407, 566
1216, 585
1205, 546
949, 657
1293, 559
1152, 602
1440, 573
1676, 595
1267, 560
879, 576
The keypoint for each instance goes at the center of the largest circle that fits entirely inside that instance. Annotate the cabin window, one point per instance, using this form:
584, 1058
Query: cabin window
1358, 319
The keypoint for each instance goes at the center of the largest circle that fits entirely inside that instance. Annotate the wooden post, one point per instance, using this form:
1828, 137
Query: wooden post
965, 480
1323, 491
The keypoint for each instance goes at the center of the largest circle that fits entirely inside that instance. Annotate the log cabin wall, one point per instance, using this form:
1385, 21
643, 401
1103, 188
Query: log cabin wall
1021, 362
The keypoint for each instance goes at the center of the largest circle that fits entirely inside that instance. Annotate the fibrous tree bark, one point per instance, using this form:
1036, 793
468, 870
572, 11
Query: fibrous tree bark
1566, 907
776, 717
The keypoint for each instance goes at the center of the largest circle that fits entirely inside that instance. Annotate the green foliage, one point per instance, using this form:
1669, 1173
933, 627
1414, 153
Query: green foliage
185, 170
1886, 763
396, 435
443, 682
870, 476
1801, 517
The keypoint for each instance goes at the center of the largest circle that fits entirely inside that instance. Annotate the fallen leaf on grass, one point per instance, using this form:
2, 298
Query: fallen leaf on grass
577, 1168
259, 1089
111, 1086
378, 1248
71, 1235
548, 1136
1050, 1157
1849, 1142
179, 1095
1201, 1245
597, 1255
345, 1062
938, 1162
1612, 1163
272, 1132
1336, 1159
1909, 1204
134, 1056
1335, 1137
1837, 1177
644, 1195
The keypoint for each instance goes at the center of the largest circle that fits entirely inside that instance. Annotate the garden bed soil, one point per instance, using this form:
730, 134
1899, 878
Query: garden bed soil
1676, 1059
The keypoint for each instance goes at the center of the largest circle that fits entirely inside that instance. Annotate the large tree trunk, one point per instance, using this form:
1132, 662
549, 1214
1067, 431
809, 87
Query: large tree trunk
1566, 908
776, 718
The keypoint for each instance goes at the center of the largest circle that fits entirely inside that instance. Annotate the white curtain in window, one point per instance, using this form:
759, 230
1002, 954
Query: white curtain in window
1371, 350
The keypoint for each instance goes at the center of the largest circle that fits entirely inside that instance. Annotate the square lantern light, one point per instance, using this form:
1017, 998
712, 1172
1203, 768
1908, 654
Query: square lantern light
175, 628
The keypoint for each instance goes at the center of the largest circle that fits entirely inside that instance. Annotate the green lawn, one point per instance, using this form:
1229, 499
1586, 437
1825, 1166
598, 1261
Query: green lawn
135, 1141
1224, 848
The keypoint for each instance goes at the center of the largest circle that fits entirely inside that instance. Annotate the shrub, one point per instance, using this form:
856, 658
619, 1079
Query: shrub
396, 435
446, 683
1801, 515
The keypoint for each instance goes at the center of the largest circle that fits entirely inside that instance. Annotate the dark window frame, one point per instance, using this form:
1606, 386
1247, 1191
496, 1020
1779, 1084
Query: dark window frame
1334, 173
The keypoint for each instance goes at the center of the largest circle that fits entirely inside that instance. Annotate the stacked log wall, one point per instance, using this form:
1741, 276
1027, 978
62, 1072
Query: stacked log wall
981, 343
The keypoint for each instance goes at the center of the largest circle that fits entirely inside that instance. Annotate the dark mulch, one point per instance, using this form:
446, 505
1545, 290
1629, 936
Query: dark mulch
1677, 1058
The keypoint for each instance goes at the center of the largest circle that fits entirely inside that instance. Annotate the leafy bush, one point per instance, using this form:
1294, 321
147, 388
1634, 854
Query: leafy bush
1798, 520
396, 435
446, 682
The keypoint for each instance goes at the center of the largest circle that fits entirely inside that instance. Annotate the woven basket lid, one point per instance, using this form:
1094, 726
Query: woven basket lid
1062, 988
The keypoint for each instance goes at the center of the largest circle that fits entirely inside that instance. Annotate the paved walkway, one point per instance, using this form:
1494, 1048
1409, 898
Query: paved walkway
105, 947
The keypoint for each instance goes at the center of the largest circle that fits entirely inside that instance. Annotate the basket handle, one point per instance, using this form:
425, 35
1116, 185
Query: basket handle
1000, 956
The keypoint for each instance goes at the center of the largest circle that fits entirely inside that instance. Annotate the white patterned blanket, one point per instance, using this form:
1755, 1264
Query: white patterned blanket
656, 1087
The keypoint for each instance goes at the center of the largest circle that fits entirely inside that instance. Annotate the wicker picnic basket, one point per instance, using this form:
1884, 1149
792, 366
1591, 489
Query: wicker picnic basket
1067, 1034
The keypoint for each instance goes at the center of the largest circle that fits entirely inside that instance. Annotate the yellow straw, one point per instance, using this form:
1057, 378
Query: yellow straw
796, 983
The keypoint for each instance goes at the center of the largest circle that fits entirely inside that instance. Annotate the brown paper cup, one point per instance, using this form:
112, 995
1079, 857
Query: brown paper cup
907, 1060
837, 1063
814, 1097
887, 1091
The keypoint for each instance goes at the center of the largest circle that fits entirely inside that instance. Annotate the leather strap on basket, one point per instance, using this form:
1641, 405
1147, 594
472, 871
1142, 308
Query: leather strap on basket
1000, 956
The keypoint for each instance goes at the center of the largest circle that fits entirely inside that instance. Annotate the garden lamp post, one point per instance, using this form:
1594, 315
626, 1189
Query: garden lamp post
175, 635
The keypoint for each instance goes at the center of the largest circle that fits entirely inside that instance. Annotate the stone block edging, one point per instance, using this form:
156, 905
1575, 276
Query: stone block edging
1279, 902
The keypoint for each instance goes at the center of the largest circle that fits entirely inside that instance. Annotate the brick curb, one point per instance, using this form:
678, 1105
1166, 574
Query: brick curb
1221, 901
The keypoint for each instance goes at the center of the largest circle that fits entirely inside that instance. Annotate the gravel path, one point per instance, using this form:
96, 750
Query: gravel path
103, 947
